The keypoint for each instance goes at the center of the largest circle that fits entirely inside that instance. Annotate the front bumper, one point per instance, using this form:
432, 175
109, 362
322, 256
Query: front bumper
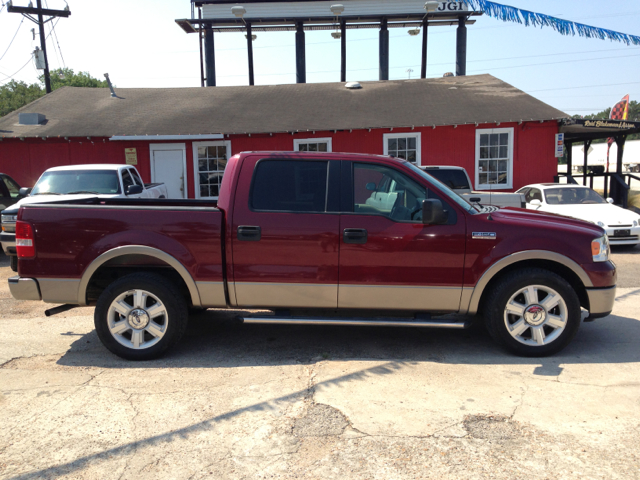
601, 301
24, 288
632, 239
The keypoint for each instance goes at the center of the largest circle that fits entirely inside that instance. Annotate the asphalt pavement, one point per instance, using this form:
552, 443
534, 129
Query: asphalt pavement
237, 401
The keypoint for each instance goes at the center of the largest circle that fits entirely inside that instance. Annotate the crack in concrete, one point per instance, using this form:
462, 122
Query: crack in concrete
525, 389
131, 456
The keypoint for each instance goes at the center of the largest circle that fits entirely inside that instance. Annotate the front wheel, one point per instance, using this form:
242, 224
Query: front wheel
533, 312
139, 316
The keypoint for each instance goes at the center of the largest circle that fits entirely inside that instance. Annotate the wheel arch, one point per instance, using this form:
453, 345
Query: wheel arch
108, 257
563, 266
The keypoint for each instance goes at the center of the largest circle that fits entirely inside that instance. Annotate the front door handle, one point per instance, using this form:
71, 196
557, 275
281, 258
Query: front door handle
249, 233
355, 235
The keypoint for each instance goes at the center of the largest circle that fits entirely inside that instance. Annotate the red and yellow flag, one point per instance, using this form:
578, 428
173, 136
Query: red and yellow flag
620, 111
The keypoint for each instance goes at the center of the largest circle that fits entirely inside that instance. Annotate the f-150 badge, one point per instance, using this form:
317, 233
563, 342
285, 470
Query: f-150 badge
484, 235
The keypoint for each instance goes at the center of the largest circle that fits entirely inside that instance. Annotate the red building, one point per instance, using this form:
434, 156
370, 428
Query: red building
503, 137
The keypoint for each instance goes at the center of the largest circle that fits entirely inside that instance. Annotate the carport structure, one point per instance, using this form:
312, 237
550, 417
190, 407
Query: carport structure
250, 16
617, 183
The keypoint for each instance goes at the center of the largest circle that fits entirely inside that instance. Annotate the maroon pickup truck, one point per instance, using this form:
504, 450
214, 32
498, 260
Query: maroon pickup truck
318, 239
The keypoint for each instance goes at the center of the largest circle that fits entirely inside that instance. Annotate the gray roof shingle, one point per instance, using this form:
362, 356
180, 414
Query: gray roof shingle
278, 108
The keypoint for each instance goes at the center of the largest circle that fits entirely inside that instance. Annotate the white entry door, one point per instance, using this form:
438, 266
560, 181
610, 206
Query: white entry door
168, 166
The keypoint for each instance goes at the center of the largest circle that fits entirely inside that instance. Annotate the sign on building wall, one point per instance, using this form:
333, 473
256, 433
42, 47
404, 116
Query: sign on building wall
131, 156
559, 144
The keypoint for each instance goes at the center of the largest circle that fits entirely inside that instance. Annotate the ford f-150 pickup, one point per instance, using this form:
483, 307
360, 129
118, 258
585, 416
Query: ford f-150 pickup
297, 233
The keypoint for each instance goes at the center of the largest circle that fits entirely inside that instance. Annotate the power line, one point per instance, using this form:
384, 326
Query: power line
10, 77
14, 37
53, 30
584, 86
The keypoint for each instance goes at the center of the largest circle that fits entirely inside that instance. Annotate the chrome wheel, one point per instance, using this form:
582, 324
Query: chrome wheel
536, 315
137, 319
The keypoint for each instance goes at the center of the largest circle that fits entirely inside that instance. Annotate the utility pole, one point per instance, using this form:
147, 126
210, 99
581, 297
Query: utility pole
40, 12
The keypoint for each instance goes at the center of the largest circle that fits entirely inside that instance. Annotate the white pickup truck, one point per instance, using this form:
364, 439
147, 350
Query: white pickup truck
73, 182
458, 180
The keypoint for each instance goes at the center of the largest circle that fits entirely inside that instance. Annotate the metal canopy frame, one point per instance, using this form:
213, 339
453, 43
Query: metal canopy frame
616, 184
206, 27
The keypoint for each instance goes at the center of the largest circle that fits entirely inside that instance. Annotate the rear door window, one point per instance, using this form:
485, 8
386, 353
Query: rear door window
12, 186
289, 186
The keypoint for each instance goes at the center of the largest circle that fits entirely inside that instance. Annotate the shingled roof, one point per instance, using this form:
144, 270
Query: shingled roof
74, 112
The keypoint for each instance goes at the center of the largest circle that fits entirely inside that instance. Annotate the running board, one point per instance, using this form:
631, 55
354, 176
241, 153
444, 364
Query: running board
367, 322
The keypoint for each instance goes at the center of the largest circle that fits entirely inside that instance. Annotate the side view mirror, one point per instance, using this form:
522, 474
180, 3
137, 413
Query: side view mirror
371, 187
535, 202
610, 200
134, 189
25, 191
433, 213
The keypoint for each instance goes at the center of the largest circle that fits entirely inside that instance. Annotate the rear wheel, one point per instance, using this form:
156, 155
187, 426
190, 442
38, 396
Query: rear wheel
139, 316
533, 312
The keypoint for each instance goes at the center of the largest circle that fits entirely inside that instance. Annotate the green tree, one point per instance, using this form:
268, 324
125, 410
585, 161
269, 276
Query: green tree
14, 95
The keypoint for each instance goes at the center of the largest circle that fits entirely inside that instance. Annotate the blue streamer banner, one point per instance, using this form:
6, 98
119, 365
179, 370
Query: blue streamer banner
507, 13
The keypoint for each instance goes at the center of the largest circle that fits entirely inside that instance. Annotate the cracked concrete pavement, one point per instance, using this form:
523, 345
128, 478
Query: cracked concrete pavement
237, 401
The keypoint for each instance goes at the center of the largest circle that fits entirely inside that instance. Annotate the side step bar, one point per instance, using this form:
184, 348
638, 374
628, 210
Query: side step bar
368, 322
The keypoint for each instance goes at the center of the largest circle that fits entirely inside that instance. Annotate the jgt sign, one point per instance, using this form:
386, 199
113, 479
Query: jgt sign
451, 7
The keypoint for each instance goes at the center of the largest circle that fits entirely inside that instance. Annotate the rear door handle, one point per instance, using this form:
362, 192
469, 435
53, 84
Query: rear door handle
249, 234
354, 235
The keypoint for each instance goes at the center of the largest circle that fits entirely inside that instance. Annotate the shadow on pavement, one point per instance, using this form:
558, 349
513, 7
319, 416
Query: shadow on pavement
216, 340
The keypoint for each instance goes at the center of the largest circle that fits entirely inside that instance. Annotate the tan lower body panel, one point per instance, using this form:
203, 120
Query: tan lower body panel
58, 290
286, 295
400, 297
211, 294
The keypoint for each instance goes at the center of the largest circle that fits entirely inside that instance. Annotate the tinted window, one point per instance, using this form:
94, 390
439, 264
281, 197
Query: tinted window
289, 186
455, 179
533, 194
126, 179
68, 181
136, 177
12, 186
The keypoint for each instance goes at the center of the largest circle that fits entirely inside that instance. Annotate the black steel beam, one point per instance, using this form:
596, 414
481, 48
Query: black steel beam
384, 50
425, 32
210, 57
587, 145
250, 53
38, 11
301, 62
343, 51
569, 158
461, 47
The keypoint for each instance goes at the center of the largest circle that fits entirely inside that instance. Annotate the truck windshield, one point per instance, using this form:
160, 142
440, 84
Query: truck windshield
445, 189
65, 182
455, 179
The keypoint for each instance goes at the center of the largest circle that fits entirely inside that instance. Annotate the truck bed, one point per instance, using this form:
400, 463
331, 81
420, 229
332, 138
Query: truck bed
71, 235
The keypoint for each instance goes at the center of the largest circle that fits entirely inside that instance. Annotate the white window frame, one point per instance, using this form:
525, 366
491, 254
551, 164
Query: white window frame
418, 136
169, 146
298, 141
196, 173
491, 186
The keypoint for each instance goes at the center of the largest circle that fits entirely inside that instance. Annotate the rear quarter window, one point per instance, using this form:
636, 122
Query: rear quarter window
289, 186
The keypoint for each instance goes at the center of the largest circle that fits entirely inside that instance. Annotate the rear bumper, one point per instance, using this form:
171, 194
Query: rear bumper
24, 288
601, 301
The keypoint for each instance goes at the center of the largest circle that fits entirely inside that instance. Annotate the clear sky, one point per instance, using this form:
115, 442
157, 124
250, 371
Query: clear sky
139, 44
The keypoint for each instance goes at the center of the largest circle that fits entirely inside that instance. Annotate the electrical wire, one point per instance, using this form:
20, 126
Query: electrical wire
53, 30
10, 77
14, 37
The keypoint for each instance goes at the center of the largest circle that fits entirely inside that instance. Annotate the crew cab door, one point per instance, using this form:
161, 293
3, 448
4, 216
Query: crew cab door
390, 260
284, 237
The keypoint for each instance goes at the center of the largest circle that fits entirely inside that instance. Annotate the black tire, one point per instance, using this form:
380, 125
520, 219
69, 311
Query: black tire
173, 320
13, 260
497, 318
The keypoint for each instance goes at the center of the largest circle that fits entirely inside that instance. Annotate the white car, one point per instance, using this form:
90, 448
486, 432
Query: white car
622, 226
